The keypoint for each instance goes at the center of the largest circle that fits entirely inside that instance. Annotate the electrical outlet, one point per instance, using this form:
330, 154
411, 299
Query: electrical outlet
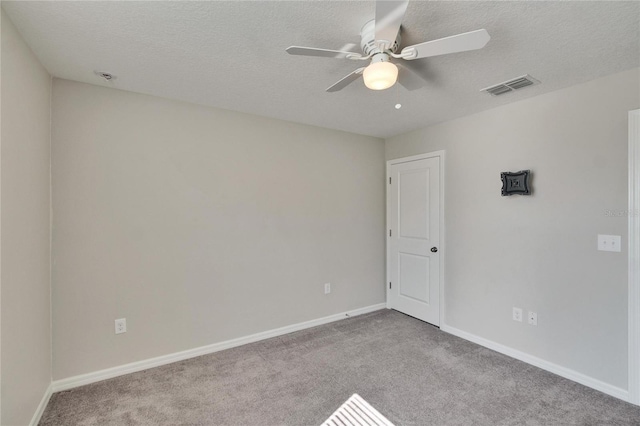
121, 325
327, 288
533, 318
517, 314
609, 242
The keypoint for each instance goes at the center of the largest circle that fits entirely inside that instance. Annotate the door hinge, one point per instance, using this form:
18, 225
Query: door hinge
389, 232
389, 285
389, 181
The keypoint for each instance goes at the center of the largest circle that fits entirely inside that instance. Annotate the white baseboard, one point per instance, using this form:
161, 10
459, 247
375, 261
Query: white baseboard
541, 363
96, 376
43, 404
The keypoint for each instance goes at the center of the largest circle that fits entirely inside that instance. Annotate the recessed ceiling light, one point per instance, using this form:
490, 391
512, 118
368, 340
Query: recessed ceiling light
398, 106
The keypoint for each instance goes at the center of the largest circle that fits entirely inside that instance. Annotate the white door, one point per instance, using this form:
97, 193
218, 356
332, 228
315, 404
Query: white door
414, 238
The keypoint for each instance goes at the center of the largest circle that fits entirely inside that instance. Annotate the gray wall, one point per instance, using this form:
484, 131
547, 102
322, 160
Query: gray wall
539, 252
200, 225
25, 240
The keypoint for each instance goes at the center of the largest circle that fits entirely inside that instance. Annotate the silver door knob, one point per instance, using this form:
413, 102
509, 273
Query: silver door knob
434, 249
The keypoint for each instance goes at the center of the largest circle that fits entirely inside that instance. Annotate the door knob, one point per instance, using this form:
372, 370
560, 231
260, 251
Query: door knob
434, 249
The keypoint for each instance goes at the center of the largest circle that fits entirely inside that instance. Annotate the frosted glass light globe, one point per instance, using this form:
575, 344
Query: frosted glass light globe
380, 75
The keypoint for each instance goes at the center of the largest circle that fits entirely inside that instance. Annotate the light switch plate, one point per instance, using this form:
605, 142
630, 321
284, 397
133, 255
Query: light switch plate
609, 243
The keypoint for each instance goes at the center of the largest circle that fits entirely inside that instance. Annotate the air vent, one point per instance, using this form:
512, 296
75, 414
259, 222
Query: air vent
511, 85
498, 90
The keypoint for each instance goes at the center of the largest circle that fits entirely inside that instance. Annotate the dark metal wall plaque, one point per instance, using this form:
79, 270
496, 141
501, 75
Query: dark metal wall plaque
516, 183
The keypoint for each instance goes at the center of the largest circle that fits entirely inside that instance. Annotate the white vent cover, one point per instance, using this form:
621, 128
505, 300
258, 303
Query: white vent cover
511, 85
357, 412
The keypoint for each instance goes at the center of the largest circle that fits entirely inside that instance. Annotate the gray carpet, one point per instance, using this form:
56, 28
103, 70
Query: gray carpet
411, 372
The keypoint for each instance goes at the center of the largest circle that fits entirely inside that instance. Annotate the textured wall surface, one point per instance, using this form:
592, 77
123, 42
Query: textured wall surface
539, 252
25, 176
200, 225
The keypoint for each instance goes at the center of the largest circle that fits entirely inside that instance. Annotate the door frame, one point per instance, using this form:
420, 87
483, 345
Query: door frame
634, 257
441, 249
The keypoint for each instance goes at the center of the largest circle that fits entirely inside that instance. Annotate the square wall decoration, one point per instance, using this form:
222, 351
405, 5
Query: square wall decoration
516, 183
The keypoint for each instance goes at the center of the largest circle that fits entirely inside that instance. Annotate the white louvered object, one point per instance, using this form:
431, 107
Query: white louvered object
511, 85
357, 412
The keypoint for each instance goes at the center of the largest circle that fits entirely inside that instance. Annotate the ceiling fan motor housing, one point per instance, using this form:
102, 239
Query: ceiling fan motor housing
368, 40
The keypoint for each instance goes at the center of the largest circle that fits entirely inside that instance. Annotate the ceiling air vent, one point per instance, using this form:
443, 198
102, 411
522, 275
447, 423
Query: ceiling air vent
511, 85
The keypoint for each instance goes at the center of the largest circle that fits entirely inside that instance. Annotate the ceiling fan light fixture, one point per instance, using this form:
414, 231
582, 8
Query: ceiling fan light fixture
380, 75
380, 41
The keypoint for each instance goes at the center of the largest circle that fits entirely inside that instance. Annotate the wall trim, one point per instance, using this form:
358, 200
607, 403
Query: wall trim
97, 376
541, 363
634, 257
41, 407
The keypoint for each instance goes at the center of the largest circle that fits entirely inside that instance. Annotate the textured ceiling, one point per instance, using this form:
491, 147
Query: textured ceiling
231, 54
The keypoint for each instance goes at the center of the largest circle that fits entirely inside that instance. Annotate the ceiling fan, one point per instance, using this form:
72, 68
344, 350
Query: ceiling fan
380, 40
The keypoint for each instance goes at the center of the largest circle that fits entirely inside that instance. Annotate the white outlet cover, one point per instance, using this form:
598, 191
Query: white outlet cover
327, 288
533, 318
517, 314
121, 325
609, 243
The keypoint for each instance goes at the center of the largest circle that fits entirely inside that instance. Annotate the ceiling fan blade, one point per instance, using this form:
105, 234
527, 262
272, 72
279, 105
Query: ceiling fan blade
458, 43
326, 53
389, 15
408, 78
346, 80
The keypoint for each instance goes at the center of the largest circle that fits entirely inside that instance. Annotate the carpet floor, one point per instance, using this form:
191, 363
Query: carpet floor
411, 372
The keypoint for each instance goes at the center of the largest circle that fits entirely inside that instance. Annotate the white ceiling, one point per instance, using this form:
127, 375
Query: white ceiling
231, 54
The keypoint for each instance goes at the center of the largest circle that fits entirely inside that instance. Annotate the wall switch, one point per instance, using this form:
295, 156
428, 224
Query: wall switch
121, 325
533, 318
609, 242
327, 288
517, 314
